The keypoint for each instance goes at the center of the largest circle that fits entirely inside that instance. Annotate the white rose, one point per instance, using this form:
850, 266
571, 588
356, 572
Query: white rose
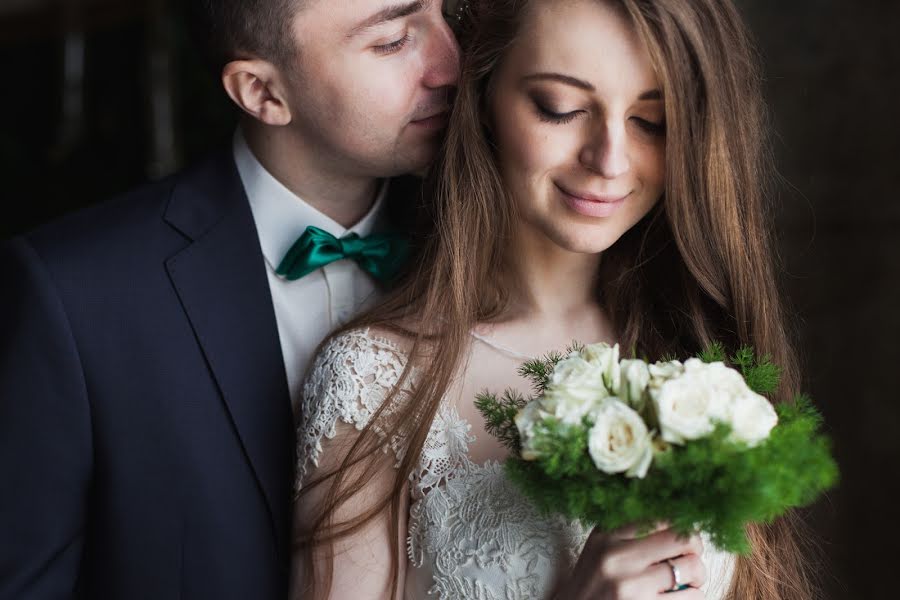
619, 441
660, 372
525, 420
575, 388
752, 418
635, 379
689, 405
607, 358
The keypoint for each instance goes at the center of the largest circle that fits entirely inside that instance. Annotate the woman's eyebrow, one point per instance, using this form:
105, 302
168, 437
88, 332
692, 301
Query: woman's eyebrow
584, 85
567, 79
651, 95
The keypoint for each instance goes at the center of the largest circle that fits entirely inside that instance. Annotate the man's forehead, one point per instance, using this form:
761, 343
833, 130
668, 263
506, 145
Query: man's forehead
390, 12
356, 16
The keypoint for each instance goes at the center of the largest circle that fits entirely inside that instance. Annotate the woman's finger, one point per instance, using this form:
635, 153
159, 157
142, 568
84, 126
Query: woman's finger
631, 532
658, 547
689, 568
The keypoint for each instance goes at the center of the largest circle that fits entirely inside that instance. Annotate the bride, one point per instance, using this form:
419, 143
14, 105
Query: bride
602, 180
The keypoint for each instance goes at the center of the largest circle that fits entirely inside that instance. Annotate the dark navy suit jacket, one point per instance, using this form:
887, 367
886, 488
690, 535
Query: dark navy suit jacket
146, 437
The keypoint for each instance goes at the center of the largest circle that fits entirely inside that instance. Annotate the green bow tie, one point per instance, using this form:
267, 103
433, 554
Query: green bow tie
380, 255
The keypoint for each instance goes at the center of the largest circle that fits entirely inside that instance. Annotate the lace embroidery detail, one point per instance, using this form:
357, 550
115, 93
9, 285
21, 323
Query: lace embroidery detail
481, 538
350, 378
445, 454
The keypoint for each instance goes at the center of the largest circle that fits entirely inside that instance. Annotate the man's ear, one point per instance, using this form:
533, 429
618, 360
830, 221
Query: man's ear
256, 87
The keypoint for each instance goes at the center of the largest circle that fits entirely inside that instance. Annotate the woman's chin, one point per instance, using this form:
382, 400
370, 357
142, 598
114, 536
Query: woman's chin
585, 242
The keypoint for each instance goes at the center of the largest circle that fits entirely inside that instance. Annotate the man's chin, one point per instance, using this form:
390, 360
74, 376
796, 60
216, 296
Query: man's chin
422, 167
417, 162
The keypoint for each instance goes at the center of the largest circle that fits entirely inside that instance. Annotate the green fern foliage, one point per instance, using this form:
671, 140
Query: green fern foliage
499, 414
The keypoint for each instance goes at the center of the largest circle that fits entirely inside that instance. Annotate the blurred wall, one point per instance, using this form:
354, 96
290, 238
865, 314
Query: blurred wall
833, 73
833, 70
91, 91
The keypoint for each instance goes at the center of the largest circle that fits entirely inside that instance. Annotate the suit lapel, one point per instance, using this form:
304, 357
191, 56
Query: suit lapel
221, 281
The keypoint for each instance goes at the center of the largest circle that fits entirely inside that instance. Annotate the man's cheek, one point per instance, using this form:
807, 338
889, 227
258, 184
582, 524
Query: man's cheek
391, 91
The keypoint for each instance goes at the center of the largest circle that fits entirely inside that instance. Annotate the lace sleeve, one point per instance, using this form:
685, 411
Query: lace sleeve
350, 378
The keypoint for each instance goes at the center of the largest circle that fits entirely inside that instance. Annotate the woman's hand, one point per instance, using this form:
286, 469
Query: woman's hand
622, 566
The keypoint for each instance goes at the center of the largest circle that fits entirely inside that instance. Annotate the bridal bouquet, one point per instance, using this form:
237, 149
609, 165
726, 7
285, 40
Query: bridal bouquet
695, 444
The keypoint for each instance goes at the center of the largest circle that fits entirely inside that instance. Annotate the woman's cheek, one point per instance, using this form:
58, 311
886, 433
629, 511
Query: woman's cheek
537, 149
653, 166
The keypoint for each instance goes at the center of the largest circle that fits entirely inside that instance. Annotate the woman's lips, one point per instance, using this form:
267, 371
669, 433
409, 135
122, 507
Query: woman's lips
592, 205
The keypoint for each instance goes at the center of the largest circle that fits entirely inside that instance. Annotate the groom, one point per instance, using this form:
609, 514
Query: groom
150, 347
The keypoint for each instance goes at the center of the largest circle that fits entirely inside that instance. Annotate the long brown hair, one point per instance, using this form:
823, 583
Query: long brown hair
698, 268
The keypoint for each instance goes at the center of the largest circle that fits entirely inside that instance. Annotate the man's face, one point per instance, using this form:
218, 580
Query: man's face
371, 84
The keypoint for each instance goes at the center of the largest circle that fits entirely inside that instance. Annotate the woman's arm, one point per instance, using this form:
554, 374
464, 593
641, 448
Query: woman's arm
361, 566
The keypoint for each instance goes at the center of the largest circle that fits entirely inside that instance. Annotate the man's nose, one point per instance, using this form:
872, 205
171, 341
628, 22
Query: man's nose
442, 68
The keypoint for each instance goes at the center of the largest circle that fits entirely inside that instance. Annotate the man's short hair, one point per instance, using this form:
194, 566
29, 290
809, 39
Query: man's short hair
234, 29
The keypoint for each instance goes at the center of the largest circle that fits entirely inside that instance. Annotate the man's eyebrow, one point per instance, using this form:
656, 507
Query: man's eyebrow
397, 11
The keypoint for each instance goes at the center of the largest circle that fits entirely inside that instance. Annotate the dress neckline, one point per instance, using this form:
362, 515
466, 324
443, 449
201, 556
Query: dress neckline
505, 350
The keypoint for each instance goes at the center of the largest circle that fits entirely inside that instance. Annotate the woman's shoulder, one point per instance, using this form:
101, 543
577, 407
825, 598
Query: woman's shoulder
352, 374
374, 337
359, 354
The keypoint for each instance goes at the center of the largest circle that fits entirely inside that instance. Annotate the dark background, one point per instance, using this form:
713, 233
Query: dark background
136, 105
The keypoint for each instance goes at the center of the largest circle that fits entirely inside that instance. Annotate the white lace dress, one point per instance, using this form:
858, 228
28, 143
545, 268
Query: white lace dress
471, 534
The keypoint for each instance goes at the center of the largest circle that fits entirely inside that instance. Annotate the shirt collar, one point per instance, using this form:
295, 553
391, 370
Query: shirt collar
281, 216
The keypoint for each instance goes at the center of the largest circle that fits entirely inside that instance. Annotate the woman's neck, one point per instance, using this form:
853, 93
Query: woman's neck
553, 300
552, 283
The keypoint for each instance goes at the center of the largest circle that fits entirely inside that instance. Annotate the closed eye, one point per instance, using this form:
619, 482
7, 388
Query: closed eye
392, 47
650, 126
549, 116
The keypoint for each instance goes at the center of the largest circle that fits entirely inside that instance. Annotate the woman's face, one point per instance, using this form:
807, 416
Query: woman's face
577, 114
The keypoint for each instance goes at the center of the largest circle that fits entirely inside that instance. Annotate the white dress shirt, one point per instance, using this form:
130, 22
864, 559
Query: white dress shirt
309, 308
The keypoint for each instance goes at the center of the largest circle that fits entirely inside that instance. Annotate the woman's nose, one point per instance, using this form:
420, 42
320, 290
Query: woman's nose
606, 151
